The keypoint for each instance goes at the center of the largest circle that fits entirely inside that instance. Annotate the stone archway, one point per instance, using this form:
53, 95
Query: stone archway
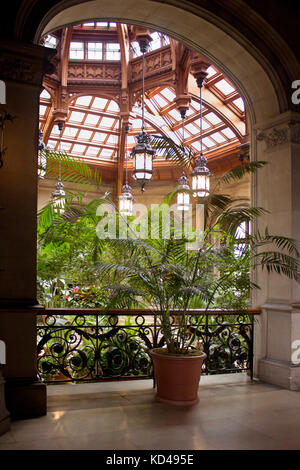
274, 138
265, 99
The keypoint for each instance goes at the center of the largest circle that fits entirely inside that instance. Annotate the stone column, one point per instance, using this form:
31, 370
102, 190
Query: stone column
277, 188
21, 68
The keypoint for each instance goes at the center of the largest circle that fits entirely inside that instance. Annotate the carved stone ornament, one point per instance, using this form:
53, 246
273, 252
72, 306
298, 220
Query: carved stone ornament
290, 133
105, 72
25, 66
274, 137
156, 62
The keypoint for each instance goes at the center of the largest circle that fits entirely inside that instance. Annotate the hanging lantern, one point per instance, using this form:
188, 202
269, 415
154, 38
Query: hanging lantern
183, 196
42, 165
42, 160
201, 174
58, 194
126, 201
143, 155
58, 198
201, 178
126, 198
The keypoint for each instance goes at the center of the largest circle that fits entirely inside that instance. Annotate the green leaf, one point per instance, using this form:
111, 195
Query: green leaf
239, 172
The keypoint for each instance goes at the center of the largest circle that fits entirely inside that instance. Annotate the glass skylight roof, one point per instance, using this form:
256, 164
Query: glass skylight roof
76, 117
228, 132
45, 94
213, 118
92, 119
239, 102
211, 71
69, 131
218, 137
99, 103
224, 86
107, 122
84, 100
208, 142
42, 110
92, 126
158, 118
84, 134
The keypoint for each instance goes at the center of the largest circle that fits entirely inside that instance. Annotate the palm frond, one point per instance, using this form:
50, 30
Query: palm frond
172, 151
230, 220
73, 170
283, 243
280, 263
239, 172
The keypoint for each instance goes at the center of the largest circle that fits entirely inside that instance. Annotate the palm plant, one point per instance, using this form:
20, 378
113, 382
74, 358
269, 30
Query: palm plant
164, 276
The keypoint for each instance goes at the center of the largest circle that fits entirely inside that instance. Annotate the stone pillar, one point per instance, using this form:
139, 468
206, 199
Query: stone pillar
4, 414
21, 68
277, 188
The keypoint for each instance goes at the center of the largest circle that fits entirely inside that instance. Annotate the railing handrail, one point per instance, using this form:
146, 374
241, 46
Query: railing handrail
101, 311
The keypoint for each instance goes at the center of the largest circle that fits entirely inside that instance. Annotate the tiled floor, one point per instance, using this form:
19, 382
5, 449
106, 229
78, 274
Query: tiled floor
232, 413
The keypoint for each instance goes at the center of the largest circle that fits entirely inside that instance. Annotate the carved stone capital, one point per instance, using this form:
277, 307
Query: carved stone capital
280, 135
60, 115
25, 63
199, 68
183, 102
274, 137
244, 150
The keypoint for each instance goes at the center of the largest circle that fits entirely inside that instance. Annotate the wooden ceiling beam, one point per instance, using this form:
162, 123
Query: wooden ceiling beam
206, 133
72, 141
109, 114
91, 128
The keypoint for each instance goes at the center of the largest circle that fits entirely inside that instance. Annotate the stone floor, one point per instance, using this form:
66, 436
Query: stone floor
232, 413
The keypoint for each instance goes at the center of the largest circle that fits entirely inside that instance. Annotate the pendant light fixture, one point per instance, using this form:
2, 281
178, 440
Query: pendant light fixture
126, 198
42, 160
201, 174
183, 197
142, 153
59, 193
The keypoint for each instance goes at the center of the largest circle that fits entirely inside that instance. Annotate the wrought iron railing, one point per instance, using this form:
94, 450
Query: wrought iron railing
93, 345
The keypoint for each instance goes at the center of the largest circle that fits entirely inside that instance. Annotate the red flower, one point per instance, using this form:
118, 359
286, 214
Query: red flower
75, 289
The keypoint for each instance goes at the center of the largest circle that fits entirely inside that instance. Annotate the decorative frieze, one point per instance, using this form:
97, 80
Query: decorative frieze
289, 133
274, 137
155, 63
87, 71
25, 63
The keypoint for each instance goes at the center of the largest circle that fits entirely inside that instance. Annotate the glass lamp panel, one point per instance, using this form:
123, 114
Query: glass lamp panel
183, 201
59, 206
140, 176
42, 163
200, 183
148, 161
139, 161
126, 205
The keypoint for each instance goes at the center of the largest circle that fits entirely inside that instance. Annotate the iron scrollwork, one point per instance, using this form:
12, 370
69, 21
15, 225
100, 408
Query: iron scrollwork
96, 347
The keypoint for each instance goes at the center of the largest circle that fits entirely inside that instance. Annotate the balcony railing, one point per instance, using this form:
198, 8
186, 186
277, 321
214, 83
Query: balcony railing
93, 345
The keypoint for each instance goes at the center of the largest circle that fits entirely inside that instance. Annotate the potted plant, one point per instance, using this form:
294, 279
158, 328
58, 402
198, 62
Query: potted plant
162, 274
169, 279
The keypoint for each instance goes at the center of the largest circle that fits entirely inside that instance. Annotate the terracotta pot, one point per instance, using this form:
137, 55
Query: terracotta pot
177, 377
